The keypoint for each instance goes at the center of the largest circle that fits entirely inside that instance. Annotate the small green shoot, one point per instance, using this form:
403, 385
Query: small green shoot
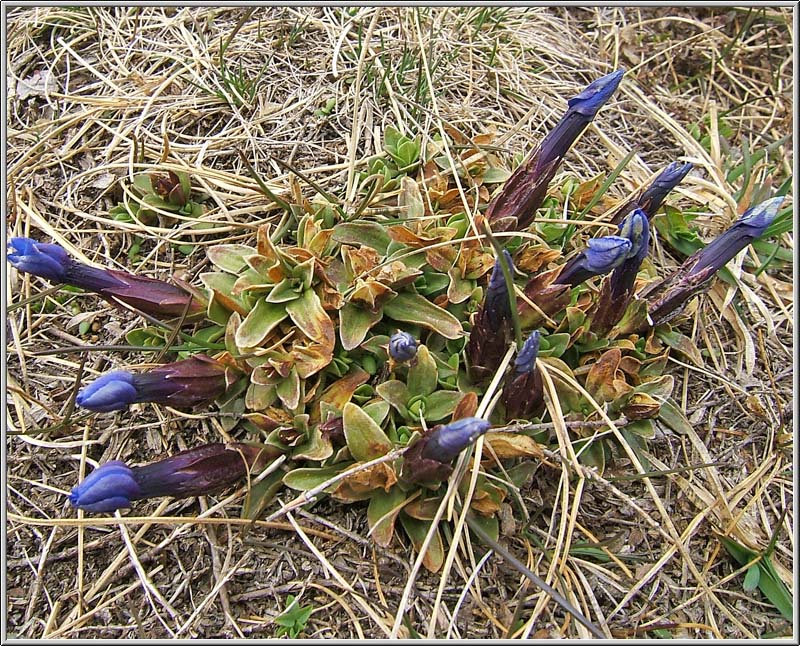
292, 622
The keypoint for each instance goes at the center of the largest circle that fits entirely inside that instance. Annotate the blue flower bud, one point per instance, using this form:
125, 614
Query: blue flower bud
445, 442
667, 179
741, 233
616, 293
152, 296
496, 304
601, 256
525, 360
203, 470
111, 391
594, 95
514, 207
206, 469
667, 297
49, 261
182, 384
402, 346
109, 487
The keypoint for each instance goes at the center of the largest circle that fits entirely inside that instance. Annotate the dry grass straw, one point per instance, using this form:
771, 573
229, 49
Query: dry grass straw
133, 89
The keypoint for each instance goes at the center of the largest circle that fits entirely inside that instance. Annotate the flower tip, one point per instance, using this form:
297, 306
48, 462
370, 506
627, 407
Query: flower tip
594, 95
606, 253
109, 487
49, 261
112, 391
496, 280
447, 441
526, 357
761, 215
402, 346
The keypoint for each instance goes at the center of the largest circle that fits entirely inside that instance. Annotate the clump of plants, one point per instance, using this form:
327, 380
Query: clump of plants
361, 355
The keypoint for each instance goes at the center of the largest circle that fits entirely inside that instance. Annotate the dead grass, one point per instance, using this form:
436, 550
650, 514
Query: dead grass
97, 94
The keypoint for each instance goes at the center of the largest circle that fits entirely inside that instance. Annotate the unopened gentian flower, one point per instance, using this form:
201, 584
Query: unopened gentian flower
496, 304
523, 193
667, 179
491, 325
402, 346
667, 298
617, 290
523, 392
108, 488
183, 384
428, 460
149, 295
200, 471
653, 196
600, 257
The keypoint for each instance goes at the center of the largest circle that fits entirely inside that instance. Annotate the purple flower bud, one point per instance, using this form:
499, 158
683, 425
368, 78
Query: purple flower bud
496, 303
491, 324
110, 487
111, 391
617, 291
525, 360
651, 198
402, 346
523, 390
182, 384
667, 298
667, 179
446, 441
523, 193
51, 261
199, 471
580, 113
601, 256
740, 234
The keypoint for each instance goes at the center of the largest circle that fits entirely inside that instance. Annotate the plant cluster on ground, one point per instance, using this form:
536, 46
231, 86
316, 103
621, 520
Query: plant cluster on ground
445, 347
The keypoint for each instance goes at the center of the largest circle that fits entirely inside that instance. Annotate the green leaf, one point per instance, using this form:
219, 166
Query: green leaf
422, 375
261, 494
229, 257
413, 308
553, 345
308, 314
354, 323
362, 234
769, 582
258, 324
674, 228
682, 344
382, 513
396, 393
377, 410
288, 390
489, 524
751, 578
495, 175
317, 448
284, 291
674, 417
221, 286
365, 439
417, 530
660, 388
440, 404
308, 478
